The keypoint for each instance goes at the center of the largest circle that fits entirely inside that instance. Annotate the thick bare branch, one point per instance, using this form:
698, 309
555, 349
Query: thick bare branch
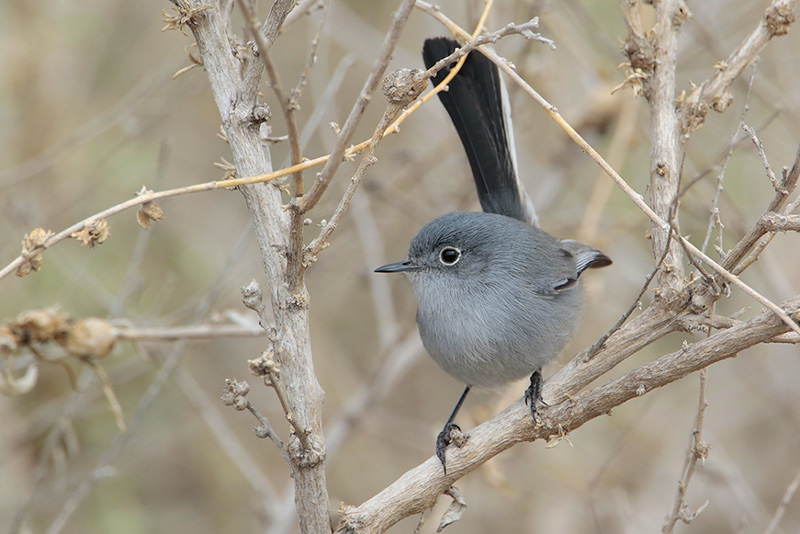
418, 489
237, 105
657, 56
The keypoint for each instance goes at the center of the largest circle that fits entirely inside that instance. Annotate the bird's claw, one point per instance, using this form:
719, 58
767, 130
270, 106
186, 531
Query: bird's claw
443, 440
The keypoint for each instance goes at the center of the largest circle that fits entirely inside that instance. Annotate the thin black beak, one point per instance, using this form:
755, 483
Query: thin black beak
399, 267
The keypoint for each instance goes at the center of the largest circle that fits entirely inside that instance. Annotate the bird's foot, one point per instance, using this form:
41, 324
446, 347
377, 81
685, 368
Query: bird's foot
533, 394
451, 433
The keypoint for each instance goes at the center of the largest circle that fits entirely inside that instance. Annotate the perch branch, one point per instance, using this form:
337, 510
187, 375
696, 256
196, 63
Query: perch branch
418, 489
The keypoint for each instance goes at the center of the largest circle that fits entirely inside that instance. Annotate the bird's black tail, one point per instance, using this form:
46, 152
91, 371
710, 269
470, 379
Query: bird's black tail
475, 104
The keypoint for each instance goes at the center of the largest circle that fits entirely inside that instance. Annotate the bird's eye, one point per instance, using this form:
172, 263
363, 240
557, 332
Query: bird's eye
449, 255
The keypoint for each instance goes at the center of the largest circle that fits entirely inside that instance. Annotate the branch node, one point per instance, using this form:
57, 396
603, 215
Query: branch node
403, 86
778, 18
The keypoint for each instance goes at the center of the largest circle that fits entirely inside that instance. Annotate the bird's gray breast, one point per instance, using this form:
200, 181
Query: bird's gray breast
492, 328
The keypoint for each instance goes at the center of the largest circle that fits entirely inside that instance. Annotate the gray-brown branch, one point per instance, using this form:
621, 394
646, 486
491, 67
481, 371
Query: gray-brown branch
418, 489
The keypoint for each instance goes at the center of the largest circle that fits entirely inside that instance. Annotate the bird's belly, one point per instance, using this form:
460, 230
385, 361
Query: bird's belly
489, 347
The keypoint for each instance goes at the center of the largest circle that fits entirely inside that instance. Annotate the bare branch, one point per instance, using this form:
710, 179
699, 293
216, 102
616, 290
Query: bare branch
194, 331
324, 178
714, 219
401, 88
277, 15
418, 489
745, 245
697, 451
784, 504
763, 155
713, 93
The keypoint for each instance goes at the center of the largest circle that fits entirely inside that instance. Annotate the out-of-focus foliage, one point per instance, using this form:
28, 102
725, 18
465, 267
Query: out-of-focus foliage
89, 113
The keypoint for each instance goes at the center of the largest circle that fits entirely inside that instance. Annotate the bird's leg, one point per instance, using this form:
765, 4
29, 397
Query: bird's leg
443, 439
534, 393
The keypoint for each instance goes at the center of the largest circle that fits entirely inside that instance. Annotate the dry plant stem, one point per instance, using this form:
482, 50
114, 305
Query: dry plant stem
637, 302
697, 450
524, 29
787, 498
302, 9
277, 15
267, 431
714, 219
712, 94
276, 383
419, 488
312, 59
111, 397
221, 429
367, 160
195, 331
763, 155
619, 148
236, 99
281, 7
170, 364
399, 18
746, 244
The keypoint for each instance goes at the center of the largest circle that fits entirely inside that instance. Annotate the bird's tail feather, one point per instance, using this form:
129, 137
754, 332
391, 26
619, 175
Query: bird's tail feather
478, 106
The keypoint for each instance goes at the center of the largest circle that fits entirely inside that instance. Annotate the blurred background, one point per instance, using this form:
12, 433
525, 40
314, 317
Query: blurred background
90, 112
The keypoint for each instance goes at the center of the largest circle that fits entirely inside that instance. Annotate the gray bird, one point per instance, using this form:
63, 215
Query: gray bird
498, 298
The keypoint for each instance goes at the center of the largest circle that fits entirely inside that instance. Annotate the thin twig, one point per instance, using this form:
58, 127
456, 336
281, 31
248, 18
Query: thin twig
740, 140
732, 259
312, 57
324, 178
234, 394
266, 431
637, 302
784, 504
266, 367
714, 219
367, 160
764, 160
712, 93
697, 451
303, 8
287, 106
193, 331
277, 15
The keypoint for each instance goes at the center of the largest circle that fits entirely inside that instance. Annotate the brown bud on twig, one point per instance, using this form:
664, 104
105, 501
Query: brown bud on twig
149, 212
93, 233
33, 260
89, 339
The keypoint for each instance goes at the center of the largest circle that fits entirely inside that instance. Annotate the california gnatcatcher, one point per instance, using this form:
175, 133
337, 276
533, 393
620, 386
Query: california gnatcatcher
498, 298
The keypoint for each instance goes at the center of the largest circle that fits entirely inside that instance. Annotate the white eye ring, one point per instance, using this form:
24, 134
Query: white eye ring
449, 256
